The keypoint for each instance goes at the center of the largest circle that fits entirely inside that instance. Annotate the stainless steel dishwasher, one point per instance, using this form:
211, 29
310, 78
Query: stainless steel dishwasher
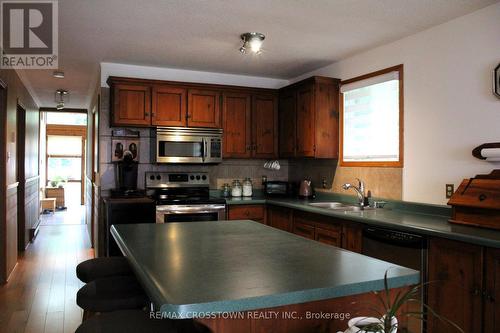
401, 248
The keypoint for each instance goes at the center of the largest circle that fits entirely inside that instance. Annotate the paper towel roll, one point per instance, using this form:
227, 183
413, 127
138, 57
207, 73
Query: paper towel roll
491, 154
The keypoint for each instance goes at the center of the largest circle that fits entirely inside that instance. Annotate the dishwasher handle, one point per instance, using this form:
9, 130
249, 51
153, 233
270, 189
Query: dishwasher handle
394, 237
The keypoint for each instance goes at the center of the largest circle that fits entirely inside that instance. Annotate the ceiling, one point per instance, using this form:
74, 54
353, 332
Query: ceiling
301, 35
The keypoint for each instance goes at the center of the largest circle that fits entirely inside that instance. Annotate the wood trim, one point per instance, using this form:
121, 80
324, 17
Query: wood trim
12, 186
31, 179
65, 110
63, 156
112, 80
391, 164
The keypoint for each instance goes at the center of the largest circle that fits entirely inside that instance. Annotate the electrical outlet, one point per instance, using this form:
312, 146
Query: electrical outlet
450, 189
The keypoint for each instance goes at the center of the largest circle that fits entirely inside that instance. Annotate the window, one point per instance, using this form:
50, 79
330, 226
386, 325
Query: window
66, 118
64, 157
371, 126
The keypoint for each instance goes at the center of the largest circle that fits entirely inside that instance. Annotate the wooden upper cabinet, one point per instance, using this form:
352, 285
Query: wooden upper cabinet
287, 123
305, 122
250, 123
237, 115
455, 269
308, 116
265, 126
169, 106
131, 105
204, 108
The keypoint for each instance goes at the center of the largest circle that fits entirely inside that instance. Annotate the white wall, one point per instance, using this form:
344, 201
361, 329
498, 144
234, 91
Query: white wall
183, 75
449, 106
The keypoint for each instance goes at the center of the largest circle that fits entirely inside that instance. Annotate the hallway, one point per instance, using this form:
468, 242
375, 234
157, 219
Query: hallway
40, 294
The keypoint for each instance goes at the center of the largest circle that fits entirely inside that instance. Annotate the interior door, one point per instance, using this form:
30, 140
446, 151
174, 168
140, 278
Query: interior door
169, 106
305, 122
204, 108
236, 115
287, 123
265, 126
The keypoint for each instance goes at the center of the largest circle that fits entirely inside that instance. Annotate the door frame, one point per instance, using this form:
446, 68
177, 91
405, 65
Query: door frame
3, 180
68, 130
21, 174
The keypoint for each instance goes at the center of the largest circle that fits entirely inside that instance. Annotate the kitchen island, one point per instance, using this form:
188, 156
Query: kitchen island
208, 270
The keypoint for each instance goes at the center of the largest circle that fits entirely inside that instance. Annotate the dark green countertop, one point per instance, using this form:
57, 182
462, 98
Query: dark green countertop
431, 220
189, 268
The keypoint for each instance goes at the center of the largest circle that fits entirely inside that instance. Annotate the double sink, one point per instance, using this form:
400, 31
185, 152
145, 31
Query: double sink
338, 206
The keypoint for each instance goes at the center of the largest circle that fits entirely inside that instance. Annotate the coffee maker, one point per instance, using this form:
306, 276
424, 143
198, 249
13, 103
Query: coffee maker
125, 159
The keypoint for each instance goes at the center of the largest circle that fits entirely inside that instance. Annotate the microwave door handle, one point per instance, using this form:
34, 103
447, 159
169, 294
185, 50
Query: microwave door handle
205, 149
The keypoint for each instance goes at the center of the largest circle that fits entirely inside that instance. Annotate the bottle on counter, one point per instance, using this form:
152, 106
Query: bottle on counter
236, 188
247, 187
226, 190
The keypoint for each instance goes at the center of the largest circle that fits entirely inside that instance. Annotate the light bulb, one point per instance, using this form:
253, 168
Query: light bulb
255, 44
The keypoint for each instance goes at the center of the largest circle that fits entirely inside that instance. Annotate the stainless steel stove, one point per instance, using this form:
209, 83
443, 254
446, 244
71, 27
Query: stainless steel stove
184, 197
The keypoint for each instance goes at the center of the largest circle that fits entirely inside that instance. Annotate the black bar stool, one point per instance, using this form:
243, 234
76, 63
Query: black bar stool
133, 321
102, 267
111, 294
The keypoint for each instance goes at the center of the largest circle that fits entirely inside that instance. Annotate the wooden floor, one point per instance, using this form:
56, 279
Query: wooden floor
40, 294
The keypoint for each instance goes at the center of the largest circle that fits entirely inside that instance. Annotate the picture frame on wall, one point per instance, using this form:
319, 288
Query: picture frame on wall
496, 81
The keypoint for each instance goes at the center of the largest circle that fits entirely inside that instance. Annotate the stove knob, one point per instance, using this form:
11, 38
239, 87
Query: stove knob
158, 177
152, 177
191, 177
204, 177
197, 177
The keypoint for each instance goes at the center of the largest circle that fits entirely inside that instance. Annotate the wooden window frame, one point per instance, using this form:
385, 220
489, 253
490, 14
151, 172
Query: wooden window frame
392, 164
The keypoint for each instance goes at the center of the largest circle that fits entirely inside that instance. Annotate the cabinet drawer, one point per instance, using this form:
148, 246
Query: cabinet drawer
303, 229
246, 212
328, 236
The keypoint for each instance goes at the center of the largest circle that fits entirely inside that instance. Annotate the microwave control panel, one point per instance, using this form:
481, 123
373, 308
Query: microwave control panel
215, 148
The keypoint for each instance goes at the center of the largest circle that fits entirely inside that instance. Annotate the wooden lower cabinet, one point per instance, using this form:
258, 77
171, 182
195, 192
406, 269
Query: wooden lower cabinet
280, 218
492, 292
455, 290
352, 237
247, 212
318, 227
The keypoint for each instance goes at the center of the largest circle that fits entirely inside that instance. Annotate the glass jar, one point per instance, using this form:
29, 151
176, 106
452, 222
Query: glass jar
236, 188
247, 187
226, 190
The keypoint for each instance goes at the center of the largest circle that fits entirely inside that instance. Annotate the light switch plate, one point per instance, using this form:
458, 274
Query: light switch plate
450, 189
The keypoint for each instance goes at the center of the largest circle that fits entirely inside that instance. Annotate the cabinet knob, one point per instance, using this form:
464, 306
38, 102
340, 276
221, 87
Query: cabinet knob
482, 197
489, 297
476, 291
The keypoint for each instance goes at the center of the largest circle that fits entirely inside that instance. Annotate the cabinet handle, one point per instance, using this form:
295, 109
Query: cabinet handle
476, 291
249, 147
488, 296
146, 113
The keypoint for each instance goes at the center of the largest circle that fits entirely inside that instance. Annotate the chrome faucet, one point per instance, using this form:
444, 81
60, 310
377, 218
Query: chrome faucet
360, 191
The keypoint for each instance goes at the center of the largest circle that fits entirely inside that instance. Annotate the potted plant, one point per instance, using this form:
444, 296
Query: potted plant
58, 181
387, 322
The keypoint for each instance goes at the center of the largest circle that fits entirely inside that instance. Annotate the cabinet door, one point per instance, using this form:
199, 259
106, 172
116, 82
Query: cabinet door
352, 238
169, 106
287, 123
131, 105
328, 236
204, 108
247, 212
455, 272
280, 218
303, 229
492, 292
236, 122
265, 126
305, 121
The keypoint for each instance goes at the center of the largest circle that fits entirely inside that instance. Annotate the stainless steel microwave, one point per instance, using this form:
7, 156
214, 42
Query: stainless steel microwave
187, 145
